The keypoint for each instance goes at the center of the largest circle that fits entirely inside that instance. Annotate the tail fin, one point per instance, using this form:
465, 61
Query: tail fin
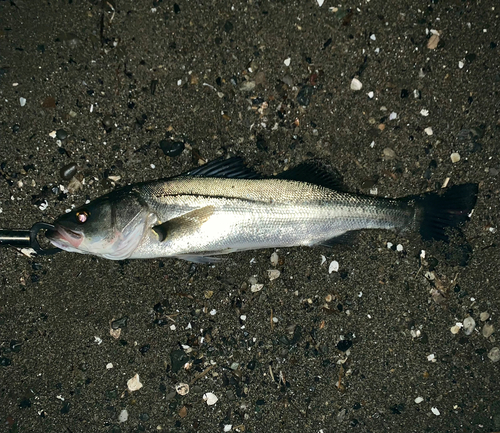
440, 211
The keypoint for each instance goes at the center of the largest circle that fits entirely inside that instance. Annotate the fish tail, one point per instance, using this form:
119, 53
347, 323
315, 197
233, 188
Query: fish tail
435, 212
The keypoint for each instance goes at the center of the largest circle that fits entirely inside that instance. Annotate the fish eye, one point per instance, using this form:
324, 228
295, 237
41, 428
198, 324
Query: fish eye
82, 216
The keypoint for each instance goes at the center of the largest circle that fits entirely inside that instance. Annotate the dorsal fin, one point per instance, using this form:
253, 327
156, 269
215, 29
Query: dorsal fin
314, 172
232, 168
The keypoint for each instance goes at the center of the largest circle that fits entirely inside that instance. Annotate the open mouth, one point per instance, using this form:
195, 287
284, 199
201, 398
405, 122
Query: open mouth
64, 238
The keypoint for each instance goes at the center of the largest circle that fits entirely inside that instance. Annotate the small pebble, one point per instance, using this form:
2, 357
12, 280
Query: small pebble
123, 417
109, 365
460, 64
419, 400
455, 329
424, 112
455, 157
172, 148
229, 427
393, 116
469, 325
107, 122
68, 171
484, 316
428, 131
287, 61
22, 101
488, 329
247, 86
435, 411
433, 42
494, 354
320, 2
305, 94
61, 134
210, 398
389, 153
256, 287
356, 84
334, 267
274, 259
273, 274
134, 383
370, 95
399, 248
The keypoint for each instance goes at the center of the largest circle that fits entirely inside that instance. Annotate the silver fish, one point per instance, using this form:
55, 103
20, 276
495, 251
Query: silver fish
223, 207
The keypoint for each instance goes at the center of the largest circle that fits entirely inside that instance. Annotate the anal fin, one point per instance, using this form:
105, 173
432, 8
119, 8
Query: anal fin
199, 259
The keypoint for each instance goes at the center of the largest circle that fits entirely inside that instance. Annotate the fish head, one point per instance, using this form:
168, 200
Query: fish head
111, 226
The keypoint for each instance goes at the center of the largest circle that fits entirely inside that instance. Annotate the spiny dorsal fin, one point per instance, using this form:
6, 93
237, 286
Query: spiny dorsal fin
232, 168
183, 225
314, 172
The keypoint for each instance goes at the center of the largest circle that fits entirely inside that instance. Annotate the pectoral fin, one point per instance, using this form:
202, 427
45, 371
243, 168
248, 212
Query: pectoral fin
184, 224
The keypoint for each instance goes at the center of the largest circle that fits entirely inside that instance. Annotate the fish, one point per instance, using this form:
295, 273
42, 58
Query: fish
224, 207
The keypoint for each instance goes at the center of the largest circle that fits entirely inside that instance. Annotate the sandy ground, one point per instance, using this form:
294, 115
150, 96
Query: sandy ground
368, 348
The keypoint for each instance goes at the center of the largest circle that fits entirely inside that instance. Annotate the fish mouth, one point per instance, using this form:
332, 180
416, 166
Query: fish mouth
64, 238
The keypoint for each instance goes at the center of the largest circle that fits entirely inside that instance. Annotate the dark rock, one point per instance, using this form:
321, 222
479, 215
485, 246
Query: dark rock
344, 345
61, 134
68, 171
172, 148
5, 362
470, 57
119, 323
107, 122
65, 408
15, 346
177, 359
261, 144
228, 26
404, 93
397, 408
25, 403
177, 8
304, 95
144, 349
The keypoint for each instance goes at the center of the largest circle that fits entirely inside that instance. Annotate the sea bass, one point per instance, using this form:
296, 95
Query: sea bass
224, 207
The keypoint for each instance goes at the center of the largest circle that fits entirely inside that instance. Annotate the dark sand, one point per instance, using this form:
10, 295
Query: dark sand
118, 78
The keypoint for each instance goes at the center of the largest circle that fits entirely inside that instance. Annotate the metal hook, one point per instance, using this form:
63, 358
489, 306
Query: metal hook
27, 239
